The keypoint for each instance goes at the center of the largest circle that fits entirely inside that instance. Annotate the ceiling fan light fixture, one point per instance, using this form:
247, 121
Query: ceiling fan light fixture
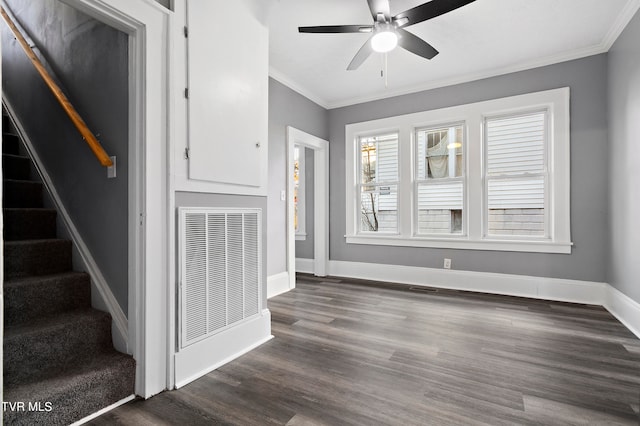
384, 41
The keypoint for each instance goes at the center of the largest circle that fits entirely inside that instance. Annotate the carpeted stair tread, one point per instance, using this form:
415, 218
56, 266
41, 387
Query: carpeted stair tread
36, 257
16, 167
48, 346
10, 144
28, 298
94, 385
29, 224
21, 193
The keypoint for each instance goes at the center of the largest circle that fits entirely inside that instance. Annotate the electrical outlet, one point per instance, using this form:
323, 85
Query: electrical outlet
447, 264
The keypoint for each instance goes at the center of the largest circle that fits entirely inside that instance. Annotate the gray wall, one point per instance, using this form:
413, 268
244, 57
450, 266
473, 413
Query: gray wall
91, 61
624, 161
589, 153
192, 199
286, 108
304, 248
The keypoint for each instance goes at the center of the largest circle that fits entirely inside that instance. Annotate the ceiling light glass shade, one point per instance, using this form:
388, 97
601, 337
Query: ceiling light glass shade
384, 41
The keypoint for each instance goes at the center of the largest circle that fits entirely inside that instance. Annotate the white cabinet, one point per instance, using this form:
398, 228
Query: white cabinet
228, 62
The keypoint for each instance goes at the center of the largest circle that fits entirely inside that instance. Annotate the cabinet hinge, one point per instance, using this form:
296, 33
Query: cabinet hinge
186, 92
186, 32
186, 153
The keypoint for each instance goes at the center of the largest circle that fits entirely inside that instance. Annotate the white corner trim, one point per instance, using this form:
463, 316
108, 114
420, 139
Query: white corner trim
625, 309
483, 282
306, 266
97, 278
621, 22
282, 78
277, 284
104, 410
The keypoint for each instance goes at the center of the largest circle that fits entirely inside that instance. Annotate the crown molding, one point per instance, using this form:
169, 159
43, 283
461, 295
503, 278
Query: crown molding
623, 19
300, 89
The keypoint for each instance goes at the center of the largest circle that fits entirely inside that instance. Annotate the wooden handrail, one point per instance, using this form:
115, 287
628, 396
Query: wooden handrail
87, 135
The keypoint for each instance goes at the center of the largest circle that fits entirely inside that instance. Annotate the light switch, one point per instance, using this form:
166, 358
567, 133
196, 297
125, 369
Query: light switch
283, 195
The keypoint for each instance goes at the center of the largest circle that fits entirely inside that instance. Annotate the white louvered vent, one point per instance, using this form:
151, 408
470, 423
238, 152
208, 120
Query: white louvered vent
220, 264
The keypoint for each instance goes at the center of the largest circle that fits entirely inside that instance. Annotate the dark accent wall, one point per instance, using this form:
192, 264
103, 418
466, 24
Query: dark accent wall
587, 79
286, 108
624, 161
91, 61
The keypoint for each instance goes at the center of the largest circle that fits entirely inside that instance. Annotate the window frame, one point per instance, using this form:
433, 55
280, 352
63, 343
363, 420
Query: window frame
557, 190
545, 174
359, 183
441, 181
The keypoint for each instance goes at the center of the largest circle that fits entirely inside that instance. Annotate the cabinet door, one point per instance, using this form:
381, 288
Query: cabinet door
228, 99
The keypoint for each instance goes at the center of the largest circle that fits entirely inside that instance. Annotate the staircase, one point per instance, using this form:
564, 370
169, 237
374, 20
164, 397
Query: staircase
59, 360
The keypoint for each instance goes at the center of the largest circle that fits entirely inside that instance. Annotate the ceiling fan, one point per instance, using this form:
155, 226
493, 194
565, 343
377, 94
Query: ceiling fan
388, 31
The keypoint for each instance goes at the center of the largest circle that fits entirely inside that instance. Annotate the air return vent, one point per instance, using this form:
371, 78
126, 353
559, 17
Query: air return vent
220, 264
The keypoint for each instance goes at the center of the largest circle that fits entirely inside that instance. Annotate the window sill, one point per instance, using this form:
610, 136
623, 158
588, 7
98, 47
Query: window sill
465, 244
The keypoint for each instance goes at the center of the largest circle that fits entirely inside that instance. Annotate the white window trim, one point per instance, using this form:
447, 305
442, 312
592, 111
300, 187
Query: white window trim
556, 101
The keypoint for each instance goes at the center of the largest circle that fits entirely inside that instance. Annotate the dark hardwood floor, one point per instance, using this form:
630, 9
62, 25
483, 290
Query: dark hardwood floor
361, 353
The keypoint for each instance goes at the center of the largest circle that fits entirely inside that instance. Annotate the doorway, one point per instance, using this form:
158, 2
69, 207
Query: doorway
320, 147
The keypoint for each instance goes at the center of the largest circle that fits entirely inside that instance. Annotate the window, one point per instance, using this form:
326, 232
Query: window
491, 175
378, 183
440, 179
516, 175
299, 203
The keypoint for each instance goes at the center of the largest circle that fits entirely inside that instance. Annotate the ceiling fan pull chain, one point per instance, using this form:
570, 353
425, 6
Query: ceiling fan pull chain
386, 72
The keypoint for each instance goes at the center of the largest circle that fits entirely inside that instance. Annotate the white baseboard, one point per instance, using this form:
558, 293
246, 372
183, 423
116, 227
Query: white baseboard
624, 308
306, 266
104, 410
121, 327
482, 282
202, 357
277, 284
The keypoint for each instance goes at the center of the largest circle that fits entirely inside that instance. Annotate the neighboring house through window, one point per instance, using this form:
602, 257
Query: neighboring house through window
492, 175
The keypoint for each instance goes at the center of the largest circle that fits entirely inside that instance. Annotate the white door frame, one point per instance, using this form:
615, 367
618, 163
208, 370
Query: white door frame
146, 23
321, 202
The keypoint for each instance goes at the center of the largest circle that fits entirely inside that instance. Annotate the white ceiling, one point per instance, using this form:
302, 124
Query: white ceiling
482, 39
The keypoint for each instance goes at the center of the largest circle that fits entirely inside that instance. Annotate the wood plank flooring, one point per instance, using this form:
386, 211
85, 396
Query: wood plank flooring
351, 352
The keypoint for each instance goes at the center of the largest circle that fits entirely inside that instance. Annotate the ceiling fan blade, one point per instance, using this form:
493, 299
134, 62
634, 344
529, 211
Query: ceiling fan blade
427, 11
361, 56
379, 6
415, 44
331, 29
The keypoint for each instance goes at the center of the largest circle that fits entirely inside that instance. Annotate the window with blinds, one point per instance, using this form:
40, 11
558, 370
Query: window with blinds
516, 175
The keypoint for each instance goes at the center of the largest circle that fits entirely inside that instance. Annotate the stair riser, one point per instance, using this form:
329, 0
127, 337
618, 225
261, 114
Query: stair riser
10, 144
55, 349
22, 259
29, 224
16, 167
21, 194
73, 401
49, 296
